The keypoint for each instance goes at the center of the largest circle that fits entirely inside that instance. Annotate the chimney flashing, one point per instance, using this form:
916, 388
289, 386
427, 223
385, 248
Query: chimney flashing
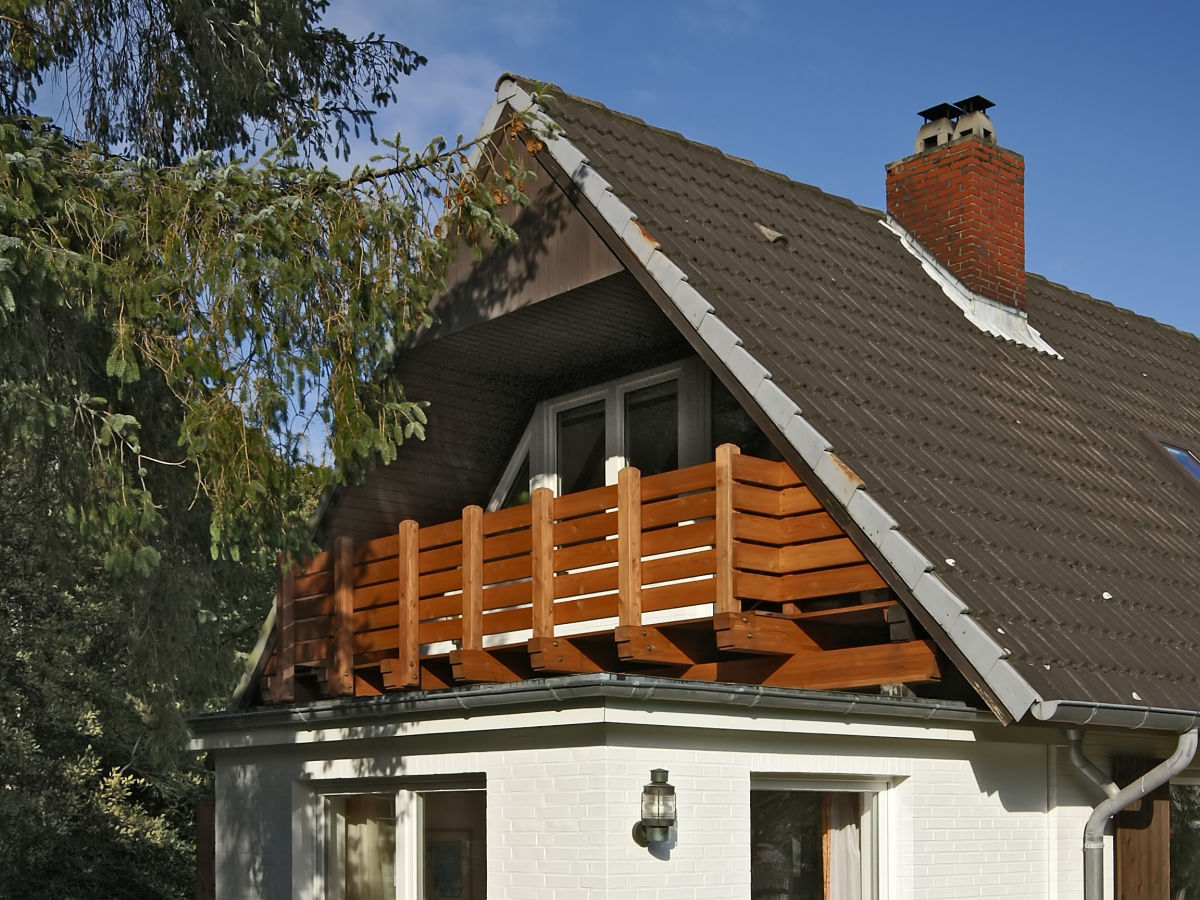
993, 317
962, 196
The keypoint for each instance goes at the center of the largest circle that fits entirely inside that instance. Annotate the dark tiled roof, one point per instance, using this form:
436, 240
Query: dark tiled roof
1073, 545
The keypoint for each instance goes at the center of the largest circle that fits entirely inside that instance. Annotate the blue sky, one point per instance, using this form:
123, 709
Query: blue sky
1099, 97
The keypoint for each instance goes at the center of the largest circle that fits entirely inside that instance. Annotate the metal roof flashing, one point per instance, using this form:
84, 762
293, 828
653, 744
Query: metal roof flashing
990, 316
983, 653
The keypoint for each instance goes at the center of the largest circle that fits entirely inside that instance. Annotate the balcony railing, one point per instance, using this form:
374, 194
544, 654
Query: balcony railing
729, 570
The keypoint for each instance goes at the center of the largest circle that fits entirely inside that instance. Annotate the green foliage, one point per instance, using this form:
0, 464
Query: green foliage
176, 77
176, 322
96, 671
263, 295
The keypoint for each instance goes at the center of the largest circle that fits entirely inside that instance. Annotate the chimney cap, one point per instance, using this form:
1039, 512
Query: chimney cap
941, 111
975, 104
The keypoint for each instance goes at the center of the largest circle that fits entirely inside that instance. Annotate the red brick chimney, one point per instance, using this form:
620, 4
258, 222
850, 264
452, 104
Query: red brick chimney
963, 197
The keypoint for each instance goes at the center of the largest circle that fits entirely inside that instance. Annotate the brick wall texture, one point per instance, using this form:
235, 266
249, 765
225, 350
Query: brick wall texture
958, 819
965, 202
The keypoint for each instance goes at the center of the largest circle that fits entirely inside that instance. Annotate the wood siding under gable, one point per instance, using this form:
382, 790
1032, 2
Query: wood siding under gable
555, 252
549, 313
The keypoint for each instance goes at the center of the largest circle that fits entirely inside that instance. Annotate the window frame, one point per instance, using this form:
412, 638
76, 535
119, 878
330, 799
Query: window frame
873, 828
311, 831
540, 439
1160, 441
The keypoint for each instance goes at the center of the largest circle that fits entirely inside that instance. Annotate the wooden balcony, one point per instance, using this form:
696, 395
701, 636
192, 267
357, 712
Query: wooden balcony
725, 571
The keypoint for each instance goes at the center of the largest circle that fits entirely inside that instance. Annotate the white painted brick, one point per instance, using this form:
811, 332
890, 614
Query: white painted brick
959, 814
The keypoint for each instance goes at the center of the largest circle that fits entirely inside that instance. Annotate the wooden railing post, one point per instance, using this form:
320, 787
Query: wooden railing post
541, 528
285, 622
725, 600
629, 546
340, 671
408, 671
472, 578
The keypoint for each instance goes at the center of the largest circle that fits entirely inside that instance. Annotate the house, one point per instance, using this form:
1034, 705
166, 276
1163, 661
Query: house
763, 545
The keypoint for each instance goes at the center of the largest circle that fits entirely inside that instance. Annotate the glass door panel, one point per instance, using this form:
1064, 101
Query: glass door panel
652, 428
581, 449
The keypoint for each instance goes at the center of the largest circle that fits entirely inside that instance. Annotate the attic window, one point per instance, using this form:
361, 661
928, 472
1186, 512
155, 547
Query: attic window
656, 420
1186, 459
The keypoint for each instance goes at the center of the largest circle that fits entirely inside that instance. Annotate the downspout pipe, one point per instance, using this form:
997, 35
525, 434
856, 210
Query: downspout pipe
1090, 770
1093, 831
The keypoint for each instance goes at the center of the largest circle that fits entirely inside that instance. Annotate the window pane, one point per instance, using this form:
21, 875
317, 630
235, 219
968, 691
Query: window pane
803, 841
362, 848
652, 428
518, 491
455, 841
581, 447
732, 425
1185, 840
1185, 459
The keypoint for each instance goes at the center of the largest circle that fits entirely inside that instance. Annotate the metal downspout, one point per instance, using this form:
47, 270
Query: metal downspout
1086, 766
1093, 832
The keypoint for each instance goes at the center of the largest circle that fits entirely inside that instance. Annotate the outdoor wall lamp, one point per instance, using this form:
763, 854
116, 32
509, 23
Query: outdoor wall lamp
658, 810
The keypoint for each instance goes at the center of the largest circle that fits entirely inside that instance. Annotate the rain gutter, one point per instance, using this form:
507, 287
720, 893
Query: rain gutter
580, 690
1115, 715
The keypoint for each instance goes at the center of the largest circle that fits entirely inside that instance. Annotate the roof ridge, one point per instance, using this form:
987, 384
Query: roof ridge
527, 82
1116, 306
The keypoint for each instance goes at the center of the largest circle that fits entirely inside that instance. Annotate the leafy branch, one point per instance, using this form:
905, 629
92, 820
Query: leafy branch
265, 296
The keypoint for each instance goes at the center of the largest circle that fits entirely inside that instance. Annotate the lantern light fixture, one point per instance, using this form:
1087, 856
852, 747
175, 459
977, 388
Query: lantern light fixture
658, 810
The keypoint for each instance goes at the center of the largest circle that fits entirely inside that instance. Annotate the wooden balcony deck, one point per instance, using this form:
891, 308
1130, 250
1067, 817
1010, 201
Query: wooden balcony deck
725, 571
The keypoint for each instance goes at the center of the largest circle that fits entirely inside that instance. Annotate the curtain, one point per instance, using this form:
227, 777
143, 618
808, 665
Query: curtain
844, 861
370, 842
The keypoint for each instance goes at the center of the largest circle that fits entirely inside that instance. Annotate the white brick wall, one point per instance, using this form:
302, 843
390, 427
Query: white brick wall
961, 817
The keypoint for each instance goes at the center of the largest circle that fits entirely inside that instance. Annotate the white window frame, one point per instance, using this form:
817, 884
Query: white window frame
872, 828
311, 830
540, 438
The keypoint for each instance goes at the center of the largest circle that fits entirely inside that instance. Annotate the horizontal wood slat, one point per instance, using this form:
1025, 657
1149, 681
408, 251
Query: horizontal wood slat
752, 470
679, 481
730, 556
585, 502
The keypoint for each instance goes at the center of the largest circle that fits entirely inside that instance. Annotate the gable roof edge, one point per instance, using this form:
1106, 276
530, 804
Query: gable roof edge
979, 649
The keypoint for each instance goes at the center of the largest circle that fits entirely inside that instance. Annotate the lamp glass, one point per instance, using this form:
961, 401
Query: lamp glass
658, 801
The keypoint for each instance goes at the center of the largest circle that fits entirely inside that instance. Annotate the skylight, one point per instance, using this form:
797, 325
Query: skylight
1185, 458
